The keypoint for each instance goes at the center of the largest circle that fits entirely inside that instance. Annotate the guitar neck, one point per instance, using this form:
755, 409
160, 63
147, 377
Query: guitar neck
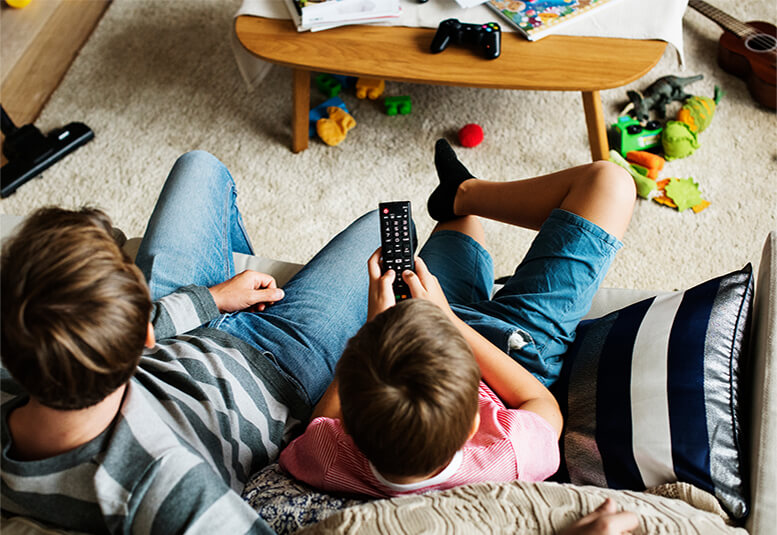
727, 22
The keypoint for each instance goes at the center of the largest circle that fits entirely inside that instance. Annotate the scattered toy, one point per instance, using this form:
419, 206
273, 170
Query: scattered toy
660, 93
470, 135
697, 111
645, 185
371, 88
679, 140
680, 193
631, 135
328, 85
333, 129
345, 81
647, 161
400, 104
321, 111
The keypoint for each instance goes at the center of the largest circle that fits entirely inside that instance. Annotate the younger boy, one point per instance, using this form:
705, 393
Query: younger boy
427, 395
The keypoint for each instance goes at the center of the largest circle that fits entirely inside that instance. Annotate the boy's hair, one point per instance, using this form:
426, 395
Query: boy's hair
408, 385
75, 309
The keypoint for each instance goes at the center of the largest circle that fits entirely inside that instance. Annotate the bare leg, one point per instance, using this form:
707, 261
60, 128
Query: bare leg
601, 192
469, 225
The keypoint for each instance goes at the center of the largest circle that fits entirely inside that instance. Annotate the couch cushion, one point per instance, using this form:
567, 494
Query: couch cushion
650, 393
528, 509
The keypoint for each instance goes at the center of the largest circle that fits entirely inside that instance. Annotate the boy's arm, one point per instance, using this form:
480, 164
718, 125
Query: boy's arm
191, 306
518, 388
329, 405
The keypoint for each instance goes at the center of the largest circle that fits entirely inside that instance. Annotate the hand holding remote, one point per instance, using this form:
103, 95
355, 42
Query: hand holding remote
424, 285
397, 243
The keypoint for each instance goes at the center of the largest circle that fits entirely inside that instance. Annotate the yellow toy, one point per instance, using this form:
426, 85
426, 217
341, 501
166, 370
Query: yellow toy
333, 129
370, 87
17, 3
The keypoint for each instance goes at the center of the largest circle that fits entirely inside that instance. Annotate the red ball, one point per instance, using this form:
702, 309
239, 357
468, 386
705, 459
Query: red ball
470, 135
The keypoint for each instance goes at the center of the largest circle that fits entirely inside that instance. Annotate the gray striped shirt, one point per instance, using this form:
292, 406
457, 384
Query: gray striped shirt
203, 412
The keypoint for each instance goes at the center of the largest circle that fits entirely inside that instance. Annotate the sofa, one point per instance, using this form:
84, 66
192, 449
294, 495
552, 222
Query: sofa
735, 491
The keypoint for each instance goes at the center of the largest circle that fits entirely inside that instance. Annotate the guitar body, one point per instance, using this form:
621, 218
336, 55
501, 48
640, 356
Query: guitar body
753, 59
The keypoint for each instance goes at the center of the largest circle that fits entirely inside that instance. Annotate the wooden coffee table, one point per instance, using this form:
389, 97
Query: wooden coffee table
555, 63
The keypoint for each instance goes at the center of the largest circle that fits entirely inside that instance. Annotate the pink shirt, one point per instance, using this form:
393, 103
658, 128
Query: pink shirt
509, 445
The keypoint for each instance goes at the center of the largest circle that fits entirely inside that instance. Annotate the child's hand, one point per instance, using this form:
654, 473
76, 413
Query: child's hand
605, 520
247, 289
381, 292
424, 285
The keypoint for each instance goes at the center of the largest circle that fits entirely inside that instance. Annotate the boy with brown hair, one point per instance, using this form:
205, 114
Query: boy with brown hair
141, 398
449, 387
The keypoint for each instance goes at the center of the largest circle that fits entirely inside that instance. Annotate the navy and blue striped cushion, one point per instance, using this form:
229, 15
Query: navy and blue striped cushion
650, 393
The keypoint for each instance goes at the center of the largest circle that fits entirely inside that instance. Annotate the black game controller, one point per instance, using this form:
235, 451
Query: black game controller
488, 36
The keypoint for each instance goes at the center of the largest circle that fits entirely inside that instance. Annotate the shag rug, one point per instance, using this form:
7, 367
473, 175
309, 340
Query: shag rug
158, 78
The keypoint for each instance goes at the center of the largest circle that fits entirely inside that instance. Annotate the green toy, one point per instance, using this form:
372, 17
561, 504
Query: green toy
632, 135
400, 104
328, 85
644, 184
697, 111
678, 140
684, 192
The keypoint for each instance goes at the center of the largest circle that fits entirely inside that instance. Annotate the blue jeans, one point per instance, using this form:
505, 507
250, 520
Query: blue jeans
193, 231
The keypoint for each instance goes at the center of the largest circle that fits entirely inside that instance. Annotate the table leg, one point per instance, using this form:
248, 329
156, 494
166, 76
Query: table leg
301, 110
594, 120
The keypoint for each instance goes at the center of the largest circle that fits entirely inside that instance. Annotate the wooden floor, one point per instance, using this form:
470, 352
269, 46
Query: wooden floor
37, 45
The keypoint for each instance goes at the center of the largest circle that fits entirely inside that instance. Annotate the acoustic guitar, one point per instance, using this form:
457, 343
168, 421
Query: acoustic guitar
748, 51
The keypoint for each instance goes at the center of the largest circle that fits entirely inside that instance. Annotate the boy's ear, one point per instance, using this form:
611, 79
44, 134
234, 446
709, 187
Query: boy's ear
150, 338
475, 425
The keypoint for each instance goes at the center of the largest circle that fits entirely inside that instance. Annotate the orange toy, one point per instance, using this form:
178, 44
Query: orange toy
333, 129
652, 162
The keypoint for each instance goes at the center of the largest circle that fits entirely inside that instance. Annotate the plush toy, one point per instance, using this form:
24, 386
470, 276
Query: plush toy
645, 185
678, 140
697, 111
470, 135
332, 129
680, 193
679, 137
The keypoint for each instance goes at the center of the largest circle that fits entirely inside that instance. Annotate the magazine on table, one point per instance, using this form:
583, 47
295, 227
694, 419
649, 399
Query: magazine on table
323, 14
537, 18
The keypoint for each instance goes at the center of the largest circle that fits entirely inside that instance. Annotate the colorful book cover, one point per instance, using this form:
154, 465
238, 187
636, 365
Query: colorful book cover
537, 18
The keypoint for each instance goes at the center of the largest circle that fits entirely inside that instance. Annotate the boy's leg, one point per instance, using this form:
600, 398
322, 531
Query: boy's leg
194, 228
534, 316
600, 192
324, 305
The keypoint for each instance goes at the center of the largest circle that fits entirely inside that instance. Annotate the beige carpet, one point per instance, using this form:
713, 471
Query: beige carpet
157, 78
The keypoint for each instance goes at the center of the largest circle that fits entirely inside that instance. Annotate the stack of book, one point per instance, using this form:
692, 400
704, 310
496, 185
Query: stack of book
317, 15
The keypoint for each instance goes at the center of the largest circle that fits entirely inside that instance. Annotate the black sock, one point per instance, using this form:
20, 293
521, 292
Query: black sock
451, 173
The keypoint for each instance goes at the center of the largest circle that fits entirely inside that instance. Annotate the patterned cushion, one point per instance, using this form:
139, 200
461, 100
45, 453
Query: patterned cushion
650, 393
288, 505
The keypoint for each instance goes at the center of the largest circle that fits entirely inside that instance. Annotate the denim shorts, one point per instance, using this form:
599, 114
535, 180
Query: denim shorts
533, 317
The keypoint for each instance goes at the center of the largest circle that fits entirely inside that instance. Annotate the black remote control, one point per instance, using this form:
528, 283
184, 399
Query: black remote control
396, 241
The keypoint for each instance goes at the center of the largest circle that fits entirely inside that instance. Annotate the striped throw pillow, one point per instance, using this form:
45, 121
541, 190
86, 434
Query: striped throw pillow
651, 393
